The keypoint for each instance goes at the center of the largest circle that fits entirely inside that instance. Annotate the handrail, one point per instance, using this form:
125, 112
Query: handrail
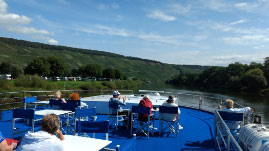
222, 131
22, 94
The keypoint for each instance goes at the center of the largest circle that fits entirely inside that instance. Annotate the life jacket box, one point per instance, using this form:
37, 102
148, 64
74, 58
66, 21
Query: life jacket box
253, 136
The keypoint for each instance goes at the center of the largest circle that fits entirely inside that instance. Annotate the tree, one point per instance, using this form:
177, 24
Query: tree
236, 69
118, 74
109, 73
93, 70
57, 66
74, 72
254, 80
266, 68
5, 68
254, 65
15, 72
39, 65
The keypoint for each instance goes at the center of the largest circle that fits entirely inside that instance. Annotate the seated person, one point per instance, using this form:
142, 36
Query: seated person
146, 103
116, 99
4, 145
75, 97
171, 117
58, 95
170, 103
230, 107
49, 138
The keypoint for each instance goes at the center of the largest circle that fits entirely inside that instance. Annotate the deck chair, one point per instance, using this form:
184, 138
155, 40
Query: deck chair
116, 118
55, 103
174, 125
232, 119
19, 116
29, 100
70, 106
146, 127
92, 127
88, 114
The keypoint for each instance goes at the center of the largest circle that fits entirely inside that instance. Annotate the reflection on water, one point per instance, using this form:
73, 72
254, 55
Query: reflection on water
211, 100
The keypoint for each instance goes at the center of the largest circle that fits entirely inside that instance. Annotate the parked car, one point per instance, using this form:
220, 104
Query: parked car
6, 76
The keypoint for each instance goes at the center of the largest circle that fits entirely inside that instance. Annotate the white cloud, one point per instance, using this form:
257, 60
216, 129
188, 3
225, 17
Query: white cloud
104, 30
179, 9
258, 6
27, 30
245, 6
115, 5
242, 58
102, 7
216, 5
3, 7
17, 23
52, 41
159, 15
158, 38
247, 39
238, 22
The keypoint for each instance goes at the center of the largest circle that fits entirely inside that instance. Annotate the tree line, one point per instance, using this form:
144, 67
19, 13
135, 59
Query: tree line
236, 77
55, 67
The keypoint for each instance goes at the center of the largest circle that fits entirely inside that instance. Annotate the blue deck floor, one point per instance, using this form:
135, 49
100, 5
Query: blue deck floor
197, 133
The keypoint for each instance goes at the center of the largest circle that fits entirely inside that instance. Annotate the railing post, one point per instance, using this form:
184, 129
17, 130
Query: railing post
200, 102
228, 143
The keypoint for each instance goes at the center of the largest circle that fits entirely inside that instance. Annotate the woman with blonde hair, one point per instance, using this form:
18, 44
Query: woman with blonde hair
58, 95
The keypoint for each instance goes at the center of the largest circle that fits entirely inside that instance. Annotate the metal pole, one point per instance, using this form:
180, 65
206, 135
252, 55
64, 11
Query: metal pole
200, 102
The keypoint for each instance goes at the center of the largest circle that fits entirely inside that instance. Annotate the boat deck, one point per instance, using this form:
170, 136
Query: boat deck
197, 133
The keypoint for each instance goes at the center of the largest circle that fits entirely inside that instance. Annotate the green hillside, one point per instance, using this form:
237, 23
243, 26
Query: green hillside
19, 53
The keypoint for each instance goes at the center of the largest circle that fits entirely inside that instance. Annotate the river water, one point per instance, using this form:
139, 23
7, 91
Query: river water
210, 101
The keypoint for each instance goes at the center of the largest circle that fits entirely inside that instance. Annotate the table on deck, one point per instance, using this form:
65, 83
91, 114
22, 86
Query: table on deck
49, 111
85, 143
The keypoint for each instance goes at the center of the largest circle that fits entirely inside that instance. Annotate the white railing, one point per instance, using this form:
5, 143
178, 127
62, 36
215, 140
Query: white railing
223, 137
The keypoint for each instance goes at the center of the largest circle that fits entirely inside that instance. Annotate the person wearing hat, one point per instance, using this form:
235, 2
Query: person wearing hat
116, 100
170, 103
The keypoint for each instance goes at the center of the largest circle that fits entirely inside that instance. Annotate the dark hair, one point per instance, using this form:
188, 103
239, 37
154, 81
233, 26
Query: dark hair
50, 123
170, 99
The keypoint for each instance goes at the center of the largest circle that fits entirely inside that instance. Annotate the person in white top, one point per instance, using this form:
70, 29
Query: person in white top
49, 138
171, 117
229, 104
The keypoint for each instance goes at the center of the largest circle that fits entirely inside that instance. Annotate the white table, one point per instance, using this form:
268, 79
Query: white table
85, 143
44, 103
49, 111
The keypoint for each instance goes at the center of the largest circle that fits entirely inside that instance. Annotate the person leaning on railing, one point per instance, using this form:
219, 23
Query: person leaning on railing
4, 145
229, 104
49, 138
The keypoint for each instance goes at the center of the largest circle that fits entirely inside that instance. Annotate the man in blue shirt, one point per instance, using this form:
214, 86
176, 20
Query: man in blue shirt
116, 103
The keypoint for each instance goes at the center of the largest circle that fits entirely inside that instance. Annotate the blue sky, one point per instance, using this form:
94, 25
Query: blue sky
203, 32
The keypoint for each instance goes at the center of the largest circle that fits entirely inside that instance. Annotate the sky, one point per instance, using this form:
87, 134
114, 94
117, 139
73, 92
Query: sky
193, 32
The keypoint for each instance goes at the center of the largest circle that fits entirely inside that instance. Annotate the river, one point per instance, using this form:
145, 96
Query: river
210, 101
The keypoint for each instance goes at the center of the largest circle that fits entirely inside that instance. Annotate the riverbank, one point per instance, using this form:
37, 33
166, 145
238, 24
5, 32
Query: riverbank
34, 83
